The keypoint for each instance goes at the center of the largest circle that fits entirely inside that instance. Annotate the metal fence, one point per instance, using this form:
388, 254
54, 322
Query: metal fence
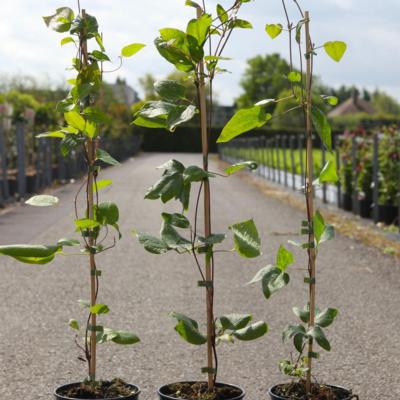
28, 164
281, 159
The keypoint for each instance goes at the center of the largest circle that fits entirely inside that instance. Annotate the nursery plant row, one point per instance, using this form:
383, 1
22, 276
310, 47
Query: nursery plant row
368, 165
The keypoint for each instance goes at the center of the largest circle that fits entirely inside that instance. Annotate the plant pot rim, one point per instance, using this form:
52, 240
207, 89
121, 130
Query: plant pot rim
159, 390
270, 391
138, 391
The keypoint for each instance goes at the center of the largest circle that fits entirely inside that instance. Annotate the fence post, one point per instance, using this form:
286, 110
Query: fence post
273, 163
283, 143
300, 147
323, 164
278, 161
264, 157
355, 174
5, 189
291, 144
47, 163
338, 183
21, 175
375, 177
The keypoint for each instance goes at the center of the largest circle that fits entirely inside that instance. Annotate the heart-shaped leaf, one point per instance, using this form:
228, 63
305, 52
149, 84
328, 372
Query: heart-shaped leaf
335, 50
273, 30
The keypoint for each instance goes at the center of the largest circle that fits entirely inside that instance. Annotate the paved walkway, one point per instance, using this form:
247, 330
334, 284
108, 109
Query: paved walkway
37, 350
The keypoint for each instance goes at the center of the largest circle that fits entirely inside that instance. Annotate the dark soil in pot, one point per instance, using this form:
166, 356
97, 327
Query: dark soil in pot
296, 391
199, 391
116, 389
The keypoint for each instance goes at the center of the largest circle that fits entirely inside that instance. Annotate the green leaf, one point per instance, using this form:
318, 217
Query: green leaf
328, 173
246, 239
191, 3
284, 258
329, 233
174, 47
243, 121
239, 166
179, 115
335, 50
303, 313
332, 100
322, 127
273, 30
101, 184
105, 157
107, 213
240, 23
233, 321
170, 90
222, 15
156, 109
170, 185
298, 333
318, 226
66, 40
74, 119
55, 134
86, 223
194, 173
96, 116
272, 280
251, 332
199, 28
265, 102
42, 200
99, 55
61, 20
29, 253
131, 49
160, 122
188, 329
318, 334
68, 242
325, 317
294, 76
99, 309
213, 238
178, 220
172, 238
74, 324
119, 337
152, 244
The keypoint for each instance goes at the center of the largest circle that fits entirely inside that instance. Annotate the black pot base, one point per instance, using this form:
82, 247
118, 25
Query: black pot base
165, 394
345, 392
57, 396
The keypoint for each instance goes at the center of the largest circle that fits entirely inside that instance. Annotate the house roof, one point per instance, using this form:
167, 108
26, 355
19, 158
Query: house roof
352, 105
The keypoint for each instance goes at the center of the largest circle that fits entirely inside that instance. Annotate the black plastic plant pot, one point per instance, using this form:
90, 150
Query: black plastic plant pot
344, 393
165, 392
347, 202
365, 208
62, 389
388, 214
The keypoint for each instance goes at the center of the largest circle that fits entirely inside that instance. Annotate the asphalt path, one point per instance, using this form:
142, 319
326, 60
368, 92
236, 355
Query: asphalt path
37, 350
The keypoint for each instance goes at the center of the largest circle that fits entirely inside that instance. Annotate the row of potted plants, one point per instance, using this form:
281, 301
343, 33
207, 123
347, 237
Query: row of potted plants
357, 147
198, 52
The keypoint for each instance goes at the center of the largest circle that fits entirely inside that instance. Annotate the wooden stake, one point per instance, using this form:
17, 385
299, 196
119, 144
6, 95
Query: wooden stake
309, 193
207, 219
91, 157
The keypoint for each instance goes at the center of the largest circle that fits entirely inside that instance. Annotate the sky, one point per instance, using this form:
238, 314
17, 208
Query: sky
370, 28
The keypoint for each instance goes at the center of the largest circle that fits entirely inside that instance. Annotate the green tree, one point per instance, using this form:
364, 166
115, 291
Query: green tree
264, 77
384, 103
147, 83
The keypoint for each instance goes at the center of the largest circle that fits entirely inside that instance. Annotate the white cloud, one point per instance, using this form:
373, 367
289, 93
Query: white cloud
28, 47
